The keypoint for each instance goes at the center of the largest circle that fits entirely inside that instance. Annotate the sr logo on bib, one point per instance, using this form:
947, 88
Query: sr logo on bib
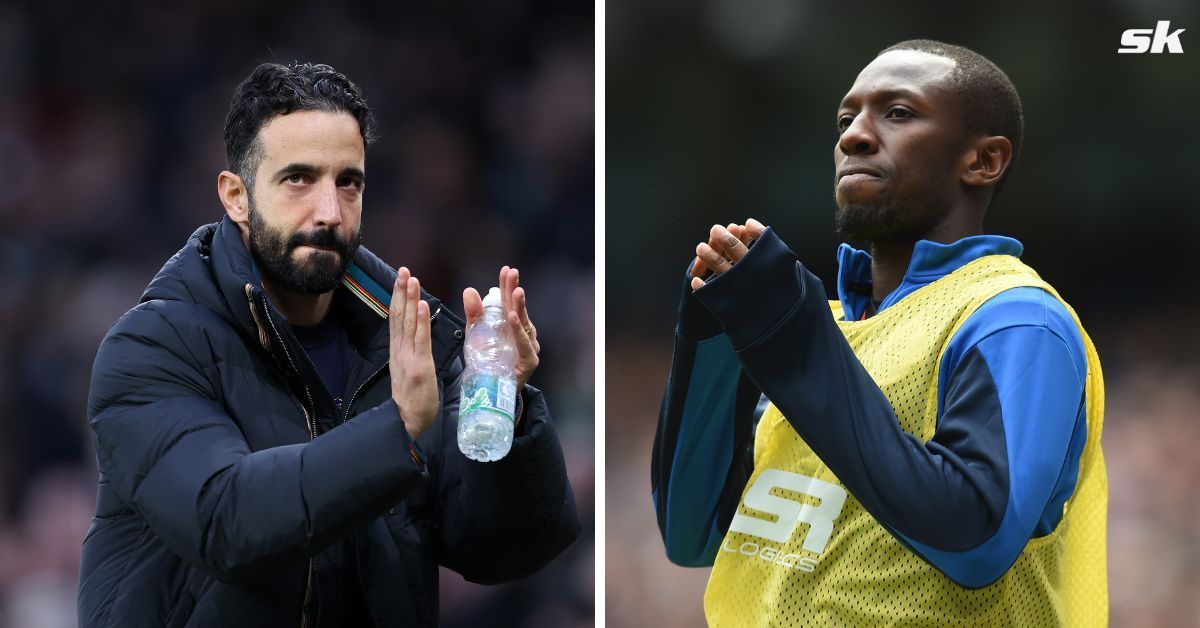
790, 512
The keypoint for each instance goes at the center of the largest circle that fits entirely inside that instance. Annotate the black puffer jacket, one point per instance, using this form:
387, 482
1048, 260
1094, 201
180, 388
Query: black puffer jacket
229, 484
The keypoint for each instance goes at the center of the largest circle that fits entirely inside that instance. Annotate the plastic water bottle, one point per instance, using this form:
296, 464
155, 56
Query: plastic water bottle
489, 385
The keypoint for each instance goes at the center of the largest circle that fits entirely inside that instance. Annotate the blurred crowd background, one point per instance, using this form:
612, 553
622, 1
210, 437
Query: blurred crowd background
110, 144
722, 109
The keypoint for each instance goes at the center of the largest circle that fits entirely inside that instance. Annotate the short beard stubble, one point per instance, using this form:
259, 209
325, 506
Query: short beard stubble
879, 220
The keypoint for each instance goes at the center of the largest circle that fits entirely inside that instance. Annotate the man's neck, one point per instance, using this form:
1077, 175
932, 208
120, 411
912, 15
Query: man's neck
300, 309
890, 258
889, 262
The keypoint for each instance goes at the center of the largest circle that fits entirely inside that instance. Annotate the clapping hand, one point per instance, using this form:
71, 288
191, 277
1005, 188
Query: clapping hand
725, 246
512, 298
414, 380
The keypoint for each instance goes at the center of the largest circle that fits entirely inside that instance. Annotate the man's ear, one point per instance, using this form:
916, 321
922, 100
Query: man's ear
986, 160
235, 196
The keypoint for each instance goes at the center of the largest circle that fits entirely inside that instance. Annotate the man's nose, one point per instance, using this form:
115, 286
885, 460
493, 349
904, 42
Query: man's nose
859, 137
328, 209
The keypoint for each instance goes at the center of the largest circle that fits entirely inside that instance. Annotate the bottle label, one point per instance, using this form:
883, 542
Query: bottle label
488, 392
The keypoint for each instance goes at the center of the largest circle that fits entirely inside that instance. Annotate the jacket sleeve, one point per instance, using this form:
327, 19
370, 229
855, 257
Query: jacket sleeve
502, 520
969, 499
165, 441
703, 446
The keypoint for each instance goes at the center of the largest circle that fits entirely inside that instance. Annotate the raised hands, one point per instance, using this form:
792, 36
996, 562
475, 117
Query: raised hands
725, 246
524, 333
414, 380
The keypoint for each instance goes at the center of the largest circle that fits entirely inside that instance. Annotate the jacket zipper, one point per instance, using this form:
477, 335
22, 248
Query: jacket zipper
348, 404
312, 433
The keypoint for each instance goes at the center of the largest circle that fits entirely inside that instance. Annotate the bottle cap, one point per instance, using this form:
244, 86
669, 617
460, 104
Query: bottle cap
493, 298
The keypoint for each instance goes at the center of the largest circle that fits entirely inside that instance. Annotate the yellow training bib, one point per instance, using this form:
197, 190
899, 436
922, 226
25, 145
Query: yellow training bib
801, 550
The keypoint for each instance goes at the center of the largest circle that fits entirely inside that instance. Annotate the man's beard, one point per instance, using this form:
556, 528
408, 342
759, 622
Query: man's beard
868, 223
318, 274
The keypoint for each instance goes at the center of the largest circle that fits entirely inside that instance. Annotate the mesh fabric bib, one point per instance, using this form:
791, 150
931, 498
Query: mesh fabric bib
808, 554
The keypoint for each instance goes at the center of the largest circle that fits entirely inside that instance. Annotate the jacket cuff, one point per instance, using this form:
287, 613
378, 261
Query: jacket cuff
531, 408
531, 479
410, 444
414, 452
519, 414
695, 321
759, 291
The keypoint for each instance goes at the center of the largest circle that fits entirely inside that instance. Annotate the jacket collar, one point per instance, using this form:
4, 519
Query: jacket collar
930, 261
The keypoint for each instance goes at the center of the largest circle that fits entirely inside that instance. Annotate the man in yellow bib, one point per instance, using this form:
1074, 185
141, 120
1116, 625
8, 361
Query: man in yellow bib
925, 450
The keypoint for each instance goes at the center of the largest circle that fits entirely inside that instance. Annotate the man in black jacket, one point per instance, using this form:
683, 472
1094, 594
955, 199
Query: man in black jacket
275, 422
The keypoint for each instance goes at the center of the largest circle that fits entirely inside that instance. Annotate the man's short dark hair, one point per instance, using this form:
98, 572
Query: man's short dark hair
273, 89
990, 102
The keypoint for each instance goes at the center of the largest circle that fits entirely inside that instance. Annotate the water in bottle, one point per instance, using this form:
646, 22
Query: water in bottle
489, 386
